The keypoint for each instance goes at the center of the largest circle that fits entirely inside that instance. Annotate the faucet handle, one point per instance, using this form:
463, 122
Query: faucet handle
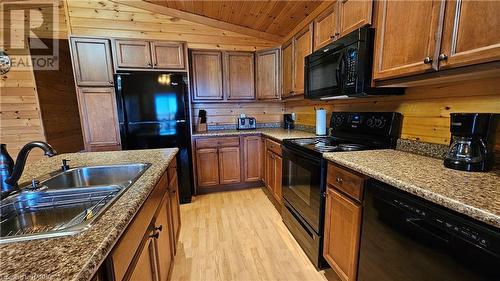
65, 165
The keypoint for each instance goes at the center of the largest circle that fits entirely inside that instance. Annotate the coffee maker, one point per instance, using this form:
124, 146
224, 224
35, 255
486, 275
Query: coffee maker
288, 121
472, 141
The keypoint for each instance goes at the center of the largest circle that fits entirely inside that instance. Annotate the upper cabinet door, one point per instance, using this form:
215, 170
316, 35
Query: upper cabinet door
303, 47
239, 77
355, 14
99, 118
168, 55
268, 74
132, 54
207, 75
92, 61
409, 48
287, 69
471, 33
325, 27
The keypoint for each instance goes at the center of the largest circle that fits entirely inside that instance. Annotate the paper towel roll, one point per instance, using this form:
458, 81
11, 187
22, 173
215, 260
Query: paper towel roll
320, 122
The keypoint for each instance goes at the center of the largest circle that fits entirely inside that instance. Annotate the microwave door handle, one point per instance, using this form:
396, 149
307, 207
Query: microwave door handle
340, 72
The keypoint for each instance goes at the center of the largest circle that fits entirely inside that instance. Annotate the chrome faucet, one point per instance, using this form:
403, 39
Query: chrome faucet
18, 168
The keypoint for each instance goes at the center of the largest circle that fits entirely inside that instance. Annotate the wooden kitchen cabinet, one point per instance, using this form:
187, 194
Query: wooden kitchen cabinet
168, 55
229, 165
342, 230
145, 250
239, 79
405, 49
173, 189
92, 61
273, 170
99, 118
343, 220
326, 27
470, 33
145, 268
132, 54
303, 46
207, 167
207, 75
287, 67
253, 158
268, 74
354, 14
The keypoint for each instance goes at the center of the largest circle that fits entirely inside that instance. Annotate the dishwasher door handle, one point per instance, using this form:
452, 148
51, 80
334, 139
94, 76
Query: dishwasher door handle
417, 223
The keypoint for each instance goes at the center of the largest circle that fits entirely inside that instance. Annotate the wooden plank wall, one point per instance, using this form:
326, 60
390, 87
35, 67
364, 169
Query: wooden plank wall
107, 18
425, 109
20, 120
226, 113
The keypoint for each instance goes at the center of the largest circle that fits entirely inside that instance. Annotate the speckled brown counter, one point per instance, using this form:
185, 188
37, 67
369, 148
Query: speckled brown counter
474, 194
78, 257
274, 133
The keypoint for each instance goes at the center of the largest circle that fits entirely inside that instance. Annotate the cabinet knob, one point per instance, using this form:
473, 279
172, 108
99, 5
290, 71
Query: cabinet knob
442, 57
110, 82
339, 180
159, 228
427, 60
155, 65
156, 235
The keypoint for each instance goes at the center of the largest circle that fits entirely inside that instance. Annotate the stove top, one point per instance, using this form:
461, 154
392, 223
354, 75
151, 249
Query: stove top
328, 144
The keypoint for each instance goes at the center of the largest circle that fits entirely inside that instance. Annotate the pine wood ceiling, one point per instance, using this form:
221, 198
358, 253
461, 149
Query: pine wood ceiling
271, 16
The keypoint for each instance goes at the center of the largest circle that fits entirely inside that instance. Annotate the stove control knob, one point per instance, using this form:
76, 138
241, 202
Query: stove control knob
370, 122
378, 123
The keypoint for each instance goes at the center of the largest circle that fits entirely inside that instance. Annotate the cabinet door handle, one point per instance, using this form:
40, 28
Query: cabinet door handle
442, 57
110, 82
156, 235
159, 228
427, 60
339, 180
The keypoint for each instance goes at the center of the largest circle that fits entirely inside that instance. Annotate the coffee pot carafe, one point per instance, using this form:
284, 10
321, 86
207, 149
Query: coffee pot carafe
472, 141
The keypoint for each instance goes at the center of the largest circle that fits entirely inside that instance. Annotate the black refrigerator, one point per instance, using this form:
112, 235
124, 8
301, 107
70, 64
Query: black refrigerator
153, 113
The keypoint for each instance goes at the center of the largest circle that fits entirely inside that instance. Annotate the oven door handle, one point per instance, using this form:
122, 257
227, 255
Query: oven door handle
301, 154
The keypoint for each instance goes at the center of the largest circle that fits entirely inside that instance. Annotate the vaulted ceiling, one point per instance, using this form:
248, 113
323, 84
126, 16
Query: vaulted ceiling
276, 17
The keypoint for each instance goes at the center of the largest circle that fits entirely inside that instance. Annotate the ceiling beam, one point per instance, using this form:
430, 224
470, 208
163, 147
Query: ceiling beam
154, 8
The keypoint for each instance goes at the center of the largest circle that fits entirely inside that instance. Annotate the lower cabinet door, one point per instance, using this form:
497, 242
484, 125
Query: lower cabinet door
207, 167
229, 165
342, 229
252, 163
278, 163
270, 167
145, 268
175, 207
163, 242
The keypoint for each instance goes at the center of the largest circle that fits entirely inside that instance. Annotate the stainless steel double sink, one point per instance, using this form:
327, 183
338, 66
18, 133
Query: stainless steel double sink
66, 202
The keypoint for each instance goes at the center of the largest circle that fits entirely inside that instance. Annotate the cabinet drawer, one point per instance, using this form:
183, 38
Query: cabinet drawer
217, 142
273, 146
346, 181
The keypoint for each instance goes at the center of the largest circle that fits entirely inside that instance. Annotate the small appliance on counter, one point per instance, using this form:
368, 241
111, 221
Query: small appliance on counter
288, 121
472, 141
246, 123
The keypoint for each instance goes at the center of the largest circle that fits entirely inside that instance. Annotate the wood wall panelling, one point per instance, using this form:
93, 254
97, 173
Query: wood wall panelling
20, 120
425, 109
226, 113
113, 19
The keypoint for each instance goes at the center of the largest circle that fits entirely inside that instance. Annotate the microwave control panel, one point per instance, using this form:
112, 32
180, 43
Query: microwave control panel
352, 61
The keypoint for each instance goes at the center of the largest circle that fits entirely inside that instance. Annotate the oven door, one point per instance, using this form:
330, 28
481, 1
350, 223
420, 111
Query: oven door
303, 182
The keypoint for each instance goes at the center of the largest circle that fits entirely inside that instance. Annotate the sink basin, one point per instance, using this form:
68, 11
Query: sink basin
67, 203
96, 175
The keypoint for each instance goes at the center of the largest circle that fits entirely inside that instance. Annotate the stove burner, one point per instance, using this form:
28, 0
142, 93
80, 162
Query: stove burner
305, 141
351, 146
326, 148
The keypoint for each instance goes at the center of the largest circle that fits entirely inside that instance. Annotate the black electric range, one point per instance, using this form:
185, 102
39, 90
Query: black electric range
304, 170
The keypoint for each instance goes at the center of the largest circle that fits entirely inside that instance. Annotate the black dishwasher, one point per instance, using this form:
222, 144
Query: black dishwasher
406, 238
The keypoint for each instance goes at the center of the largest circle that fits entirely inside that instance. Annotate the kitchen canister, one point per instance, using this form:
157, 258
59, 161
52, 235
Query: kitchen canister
320, 122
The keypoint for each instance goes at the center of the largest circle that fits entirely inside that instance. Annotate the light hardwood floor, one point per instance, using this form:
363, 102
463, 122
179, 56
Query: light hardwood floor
239, 235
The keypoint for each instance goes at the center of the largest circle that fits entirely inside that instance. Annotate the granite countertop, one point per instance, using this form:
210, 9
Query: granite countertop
278, 134
77, 257
474, 194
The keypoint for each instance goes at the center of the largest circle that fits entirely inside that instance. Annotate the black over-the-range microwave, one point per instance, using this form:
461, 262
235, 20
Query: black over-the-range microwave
343, 69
